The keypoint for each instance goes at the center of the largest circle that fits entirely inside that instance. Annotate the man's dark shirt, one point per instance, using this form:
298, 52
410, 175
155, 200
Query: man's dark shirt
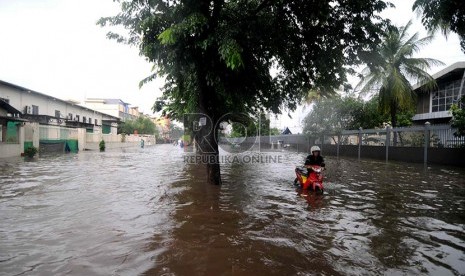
312, 160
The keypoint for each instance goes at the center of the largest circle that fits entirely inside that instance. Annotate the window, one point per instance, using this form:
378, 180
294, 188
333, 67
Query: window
106, 129
35, 110
96, 122
90, 120
57, 114
447, 94
77, 118
83, 119
12, 132
70, 116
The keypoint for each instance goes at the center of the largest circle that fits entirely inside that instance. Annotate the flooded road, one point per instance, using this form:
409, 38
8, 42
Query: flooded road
146, 212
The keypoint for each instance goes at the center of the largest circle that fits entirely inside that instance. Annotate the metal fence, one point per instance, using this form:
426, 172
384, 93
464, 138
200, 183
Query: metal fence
401, 140
424, 143
416, 136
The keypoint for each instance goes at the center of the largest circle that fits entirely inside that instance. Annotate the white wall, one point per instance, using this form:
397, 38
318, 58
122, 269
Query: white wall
47, 105
13, 149
111, 109
10, 150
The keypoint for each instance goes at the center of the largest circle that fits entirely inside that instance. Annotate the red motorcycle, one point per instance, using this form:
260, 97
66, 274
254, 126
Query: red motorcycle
313, 182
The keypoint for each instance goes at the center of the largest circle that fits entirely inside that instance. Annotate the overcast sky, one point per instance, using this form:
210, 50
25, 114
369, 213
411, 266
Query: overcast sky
54, 47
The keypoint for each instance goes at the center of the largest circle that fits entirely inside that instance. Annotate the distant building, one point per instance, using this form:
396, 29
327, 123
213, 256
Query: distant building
114, 107
47, 110
433, 105
163, 125
134, 112
286, 131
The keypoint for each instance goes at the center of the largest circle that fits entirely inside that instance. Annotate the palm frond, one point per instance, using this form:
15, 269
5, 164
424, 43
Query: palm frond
403, 31
423, 41
392, 74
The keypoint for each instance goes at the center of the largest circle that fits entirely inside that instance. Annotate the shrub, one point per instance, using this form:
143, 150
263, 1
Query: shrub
30, 151
101, 145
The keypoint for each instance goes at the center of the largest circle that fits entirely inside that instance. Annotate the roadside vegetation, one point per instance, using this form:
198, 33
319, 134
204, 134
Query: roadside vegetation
141, 125
260, 56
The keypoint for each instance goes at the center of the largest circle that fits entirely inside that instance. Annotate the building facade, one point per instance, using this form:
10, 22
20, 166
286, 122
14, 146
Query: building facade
134, 112
32, 119
114, 107
48, 110
433, 105
11, 130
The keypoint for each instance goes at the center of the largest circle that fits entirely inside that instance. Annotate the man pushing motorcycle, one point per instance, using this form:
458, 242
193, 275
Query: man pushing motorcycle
313, 178
314, 159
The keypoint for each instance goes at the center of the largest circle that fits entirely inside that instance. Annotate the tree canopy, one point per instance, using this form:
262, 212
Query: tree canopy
333, 115
443, 15
244, 56
142, 125
175, 132
250, 129
228, 49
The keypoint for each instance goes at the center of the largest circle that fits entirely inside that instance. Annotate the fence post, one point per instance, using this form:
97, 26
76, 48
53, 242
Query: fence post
427, 134
388, 141
359, 142
322, 144
308, 144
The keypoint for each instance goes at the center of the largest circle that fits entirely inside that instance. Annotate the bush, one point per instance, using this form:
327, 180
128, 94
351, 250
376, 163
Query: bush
30, 151
101, 145
458, 117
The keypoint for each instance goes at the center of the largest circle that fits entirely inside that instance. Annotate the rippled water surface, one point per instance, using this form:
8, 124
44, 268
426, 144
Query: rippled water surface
146, 212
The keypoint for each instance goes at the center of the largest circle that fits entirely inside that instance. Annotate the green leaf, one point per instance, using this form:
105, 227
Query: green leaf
230, 52
167, 37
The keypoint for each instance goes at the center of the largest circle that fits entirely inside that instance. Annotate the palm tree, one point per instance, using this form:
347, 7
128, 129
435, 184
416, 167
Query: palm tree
391, 68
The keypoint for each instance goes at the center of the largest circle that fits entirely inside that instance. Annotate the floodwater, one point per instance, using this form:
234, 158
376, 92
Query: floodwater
146, 212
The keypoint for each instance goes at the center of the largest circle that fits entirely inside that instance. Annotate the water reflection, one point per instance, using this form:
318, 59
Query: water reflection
146, 212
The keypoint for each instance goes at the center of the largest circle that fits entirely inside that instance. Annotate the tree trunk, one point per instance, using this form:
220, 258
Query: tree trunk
209, 149
394, 122
213, 166
401, 139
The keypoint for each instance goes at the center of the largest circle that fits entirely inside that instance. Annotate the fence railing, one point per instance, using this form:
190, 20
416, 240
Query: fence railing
415, 136
394, 139
388, 143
